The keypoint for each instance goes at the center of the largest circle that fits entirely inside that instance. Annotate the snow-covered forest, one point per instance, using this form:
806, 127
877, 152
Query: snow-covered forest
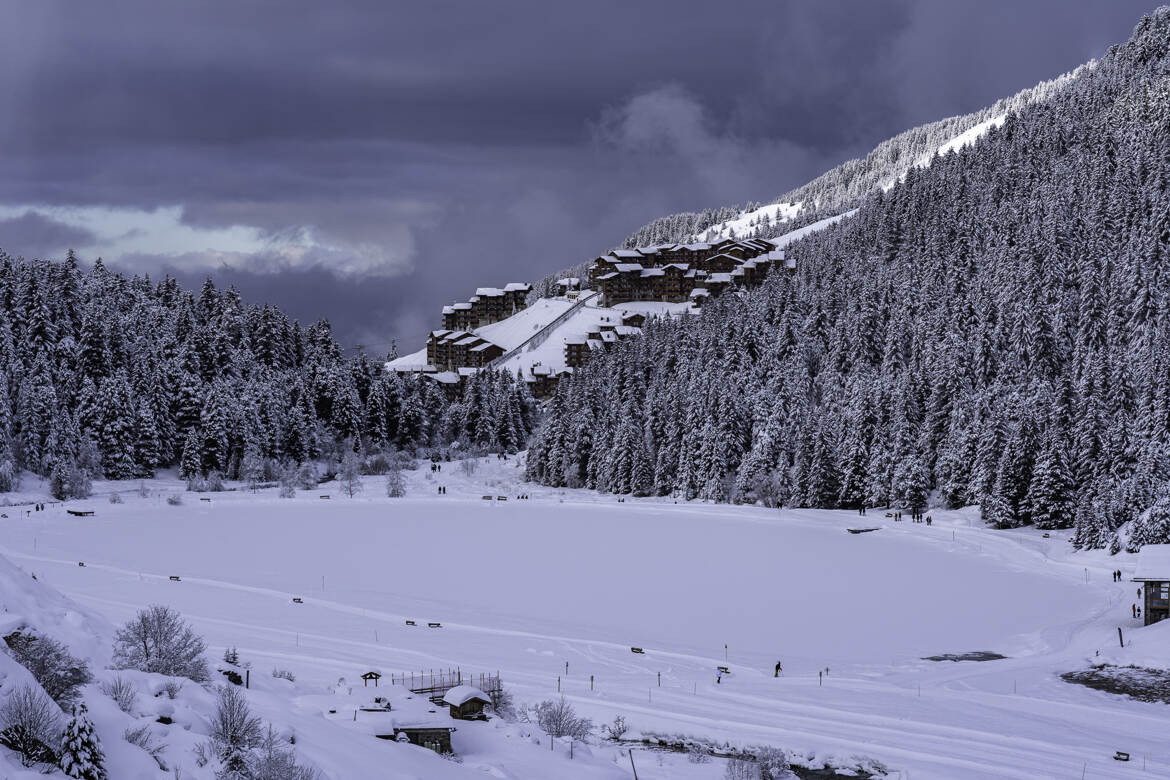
994, 330
108, 376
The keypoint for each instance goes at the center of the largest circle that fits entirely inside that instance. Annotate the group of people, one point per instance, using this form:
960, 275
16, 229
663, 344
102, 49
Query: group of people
436, 467
442, 490
915, 517
1117, 577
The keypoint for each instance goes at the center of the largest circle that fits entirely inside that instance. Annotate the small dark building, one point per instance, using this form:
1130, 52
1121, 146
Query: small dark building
371, 676
1153, 571
466, 702
436, 738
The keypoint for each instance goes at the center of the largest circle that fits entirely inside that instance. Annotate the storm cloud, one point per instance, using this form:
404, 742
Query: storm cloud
369, 162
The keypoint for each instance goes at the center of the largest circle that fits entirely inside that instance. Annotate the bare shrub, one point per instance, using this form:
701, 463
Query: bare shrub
143, 737
143, 491
741, 769
50, 662
175, 500
616, 730
284, 674
122, 691
115, 498
159, 640
31, 726
558, 719
468, 466
234, 730
698, 753
272, 760
772, 763
171, 688
350, 474
288, 481
395, 484
307, 478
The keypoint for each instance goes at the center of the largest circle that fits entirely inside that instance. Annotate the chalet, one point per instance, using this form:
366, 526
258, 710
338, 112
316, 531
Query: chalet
1153, 571
576, 351
699, 294
541, 381
466, 702
452, 350
718, 282
636, 319
720, 263
568, 285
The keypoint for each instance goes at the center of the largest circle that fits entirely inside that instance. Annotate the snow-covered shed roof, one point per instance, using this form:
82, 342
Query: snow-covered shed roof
461, 694
699, 292
1153, 563
627, 267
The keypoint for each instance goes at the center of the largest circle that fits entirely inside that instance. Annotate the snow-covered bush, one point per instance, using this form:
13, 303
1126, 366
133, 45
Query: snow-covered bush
697, 753
235, 731
741, 769
616, 730
284, 674
143, 737
122, 691
307, 477
30, 724
558, 719
395, 484
159, 640
231, 656
115, 498
273, 761
350, 474
175, 500
214, 482
81, 750
50, 662
468, 466
171, 688
8, 480
288, 481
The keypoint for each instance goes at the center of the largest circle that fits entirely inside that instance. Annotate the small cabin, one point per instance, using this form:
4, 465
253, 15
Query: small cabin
1153, 571
466, 702
433, 738
368, 676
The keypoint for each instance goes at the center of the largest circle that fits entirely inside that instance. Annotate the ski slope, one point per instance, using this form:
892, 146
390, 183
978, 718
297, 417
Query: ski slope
528, 586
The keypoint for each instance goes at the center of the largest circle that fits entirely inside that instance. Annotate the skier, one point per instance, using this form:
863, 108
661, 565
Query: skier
778, 669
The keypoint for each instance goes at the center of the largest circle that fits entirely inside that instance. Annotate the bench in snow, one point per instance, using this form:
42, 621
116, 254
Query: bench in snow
80, 512
208, 500
860, 530
298, 600
81, 563
501, 498
637, 650
175, 578
411, 623
487, 498
434, 625
324, 496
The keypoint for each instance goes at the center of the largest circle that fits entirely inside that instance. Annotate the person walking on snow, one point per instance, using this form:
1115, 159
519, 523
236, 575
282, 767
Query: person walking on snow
778, 669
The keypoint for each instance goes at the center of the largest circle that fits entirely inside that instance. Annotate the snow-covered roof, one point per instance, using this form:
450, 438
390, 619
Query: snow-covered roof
571, 281
723, 278
446, 377
627, 267
680, 266
627, 330
516, 286
626, 253
608, 336
697, 247
653, 272
467, 342
1153, 563
461, 306
699, 292
483, 346
461, 694
575, 339
438, 334
488, 292
609, 275
467, 371
448, 310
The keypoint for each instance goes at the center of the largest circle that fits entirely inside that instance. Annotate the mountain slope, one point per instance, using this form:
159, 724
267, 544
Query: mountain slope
994, 329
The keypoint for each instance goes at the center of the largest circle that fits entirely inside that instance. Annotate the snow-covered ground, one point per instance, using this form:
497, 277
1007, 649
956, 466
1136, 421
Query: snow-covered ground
742, 225
571, 577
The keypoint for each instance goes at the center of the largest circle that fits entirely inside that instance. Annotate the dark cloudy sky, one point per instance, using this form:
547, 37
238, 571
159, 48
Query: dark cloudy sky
371, 161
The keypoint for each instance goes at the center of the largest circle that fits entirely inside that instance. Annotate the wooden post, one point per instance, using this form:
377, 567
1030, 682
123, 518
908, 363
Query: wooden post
820, 678
660, 679
558, 683
631, 754
247, 678
1120, 638
590, 682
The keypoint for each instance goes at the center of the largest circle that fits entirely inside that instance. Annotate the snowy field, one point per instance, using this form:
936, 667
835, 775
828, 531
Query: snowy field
570, 577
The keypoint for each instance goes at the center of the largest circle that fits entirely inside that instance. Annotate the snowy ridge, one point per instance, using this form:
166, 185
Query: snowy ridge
743, 224
960, 141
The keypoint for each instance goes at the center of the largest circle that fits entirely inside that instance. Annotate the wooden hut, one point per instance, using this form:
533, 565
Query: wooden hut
466, 702
1153, 571
371, 676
